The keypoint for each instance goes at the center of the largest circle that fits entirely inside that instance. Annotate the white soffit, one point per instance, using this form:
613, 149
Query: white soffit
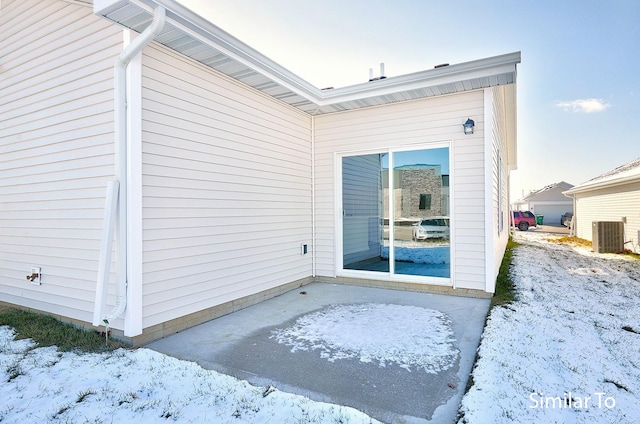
195, 37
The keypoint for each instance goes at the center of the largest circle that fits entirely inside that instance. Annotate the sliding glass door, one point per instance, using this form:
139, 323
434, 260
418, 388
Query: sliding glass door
396, 212
363, 231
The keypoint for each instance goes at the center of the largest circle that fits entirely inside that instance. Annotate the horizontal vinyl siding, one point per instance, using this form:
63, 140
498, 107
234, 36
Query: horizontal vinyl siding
226, 177
610, 204
404, 124
468, 215
56, 151
497, 137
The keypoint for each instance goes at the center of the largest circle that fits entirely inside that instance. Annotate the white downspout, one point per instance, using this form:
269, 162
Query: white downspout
120, 130
313, 197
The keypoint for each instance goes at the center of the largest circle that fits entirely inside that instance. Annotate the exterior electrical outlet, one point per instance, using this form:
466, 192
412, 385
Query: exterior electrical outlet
36, 274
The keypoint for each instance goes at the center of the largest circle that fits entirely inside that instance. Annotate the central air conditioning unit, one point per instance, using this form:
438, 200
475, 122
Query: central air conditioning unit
608, 236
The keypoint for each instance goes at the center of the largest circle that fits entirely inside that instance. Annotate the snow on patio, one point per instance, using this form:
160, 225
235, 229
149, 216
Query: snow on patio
568, 350
408, 336
42, 385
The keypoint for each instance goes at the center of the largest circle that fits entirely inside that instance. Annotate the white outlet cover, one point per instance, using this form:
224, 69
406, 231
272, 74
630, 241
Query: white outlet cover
36, 270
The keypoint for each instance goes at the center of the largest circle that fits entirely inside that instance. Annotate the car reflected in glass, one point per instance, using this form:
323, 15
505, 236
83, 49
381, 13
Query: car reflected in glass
433, 227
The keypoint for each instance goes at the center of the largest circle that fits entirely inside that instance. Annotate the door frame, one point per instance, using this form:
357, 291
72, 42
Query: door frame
339, 270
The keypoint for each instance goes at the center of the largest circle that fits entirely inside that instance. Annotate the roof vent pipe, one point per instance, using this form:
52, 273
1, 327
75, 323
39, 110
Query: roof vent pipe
120, 132
371, 78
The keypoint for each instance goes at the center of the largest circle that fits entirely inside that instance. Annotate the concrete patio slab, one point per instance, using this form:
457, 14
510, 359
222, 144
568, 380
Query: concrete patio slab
241, 344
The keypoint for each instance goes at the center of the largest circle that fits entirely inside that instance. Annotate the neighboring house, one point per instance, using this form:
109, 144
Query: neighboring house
217, 178
612, 196
419, 191
548, 202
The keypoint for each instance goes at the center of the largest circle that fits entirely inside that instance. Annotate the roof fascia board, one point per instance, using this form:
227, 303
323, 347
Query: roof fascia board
481, 68
208, 33
205, 31
603, 184
558, 187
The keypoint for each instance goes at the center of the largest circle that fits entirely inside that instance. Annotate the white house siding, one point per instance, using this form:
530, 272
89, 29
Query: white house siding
404, 124
496, 145
56, 157
610, 204
226, 183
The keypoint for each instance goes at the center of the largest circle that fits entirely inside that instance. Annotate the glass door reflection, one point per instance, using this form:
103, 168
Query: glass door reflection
403, 215
362, 226
421, 222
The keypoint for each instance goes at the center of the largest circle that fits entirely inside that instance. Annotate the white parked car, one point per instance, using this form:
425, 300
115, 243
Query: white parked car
432, 227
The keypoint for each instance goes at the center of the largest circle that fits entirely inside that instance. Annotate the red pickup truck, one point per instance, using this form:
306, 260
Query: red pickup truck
523, 220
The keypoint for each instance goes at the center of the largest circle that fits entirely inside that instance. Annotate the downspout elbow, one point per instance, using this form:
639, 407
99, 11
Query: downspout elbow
140, 42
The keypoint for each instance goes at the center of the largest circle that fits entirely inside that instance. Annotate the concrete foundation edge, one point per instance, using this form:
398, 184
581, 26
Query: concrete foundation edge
176, 325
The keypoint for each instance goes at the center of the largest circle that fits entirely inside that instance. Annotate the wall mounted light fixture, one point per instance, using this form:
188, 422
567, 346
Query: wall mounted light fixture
468, 126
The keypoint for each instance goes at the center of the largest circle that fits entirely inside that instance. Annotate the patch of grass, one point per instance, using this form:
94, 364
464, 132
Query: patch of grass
84, 394
631, 254
571, 240
618, 385
14, 371
61, 410
505, 291
576, 241
129, 397
48, 331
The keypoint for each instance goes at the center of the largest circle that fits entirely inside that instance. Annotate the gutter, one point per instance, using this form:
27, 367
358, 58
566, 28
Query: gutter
120, 132
602, 184
192, 24
505, 64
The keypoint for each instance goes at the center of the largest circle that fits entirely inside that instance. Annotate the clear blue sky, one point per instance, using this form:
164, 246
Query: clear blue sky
578, 83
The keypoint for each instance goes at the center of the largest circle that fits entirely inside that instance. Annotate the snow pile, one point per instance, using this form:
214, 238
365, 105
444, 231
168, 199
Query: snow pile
568, 350
42, 385
408, 336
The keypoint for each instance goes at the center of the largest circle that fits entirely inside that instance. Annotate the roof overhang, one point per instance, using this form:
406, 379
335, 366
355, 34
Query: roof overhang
191, 35
598, 185
628, 173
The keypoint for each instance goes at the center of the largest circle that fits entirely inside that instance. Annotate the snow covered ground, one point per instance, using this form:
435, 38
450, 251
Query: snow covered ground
568, 350
43, 385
